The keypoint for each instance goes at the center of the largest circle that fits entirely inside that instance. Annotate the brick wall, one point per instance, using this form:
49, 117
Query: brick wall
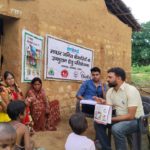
85, 22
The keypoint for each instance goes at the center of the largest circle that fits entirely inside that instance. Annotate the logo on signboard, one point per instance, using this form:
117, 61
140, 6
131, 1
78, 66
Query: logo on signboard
51, 72
75, 74
64, 73
84, 76
72, 50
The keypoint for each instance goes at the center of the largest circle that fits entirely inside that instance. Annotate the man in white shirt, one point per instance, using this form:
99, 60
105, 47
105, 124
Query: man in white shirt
126, 101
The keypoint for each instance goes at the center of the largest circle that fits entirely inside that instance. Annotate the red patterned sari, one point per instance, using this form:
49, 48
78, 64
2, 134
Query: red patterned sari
9, 94
39, 110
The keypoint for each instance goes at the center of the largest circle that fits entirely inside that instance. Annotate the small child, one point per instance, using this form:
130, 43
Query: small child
75, 140
16, 111
7, 137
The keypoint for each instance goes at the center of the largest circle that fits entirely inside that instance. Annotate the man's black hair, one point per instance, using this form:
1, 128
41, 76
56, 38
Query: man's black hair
95, 69
15, 108
78, 123
118, 72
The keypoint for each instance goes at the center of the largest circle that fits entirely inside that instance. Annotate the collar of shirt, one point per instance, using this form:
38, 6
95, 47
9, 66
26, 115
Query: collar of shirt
94, 83
122, 87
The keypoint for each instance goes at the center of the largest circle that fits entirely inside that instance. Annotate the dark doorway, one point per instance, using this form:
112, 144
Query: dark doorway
1, 43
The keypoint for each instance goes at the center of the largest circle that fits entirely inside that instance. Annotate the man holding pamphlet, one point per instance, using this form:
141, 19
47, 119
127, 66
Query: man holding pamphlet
89, 89
125, 99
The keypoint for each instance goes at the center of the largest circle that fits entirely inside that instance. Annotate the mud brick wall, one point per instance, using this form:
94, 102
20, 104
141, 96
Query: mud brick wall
84, 22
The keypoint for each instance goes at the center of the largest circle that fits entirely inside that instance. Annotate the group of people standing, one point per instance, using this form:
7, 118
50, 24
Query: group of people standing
127, 107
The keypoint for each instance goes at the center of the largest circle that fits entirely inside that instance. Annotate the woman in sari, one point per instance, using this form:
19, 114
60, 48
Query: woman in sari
3, 115
39, 106
9, 91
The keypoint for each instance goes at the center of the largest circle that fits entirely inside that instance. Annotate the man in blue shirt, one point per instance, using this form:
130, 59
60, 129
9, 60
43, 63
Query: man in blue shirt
91, 88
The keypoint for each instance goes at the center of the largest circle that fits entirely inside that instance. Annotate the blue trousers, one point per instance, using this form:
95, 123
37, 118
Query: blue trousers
119, 130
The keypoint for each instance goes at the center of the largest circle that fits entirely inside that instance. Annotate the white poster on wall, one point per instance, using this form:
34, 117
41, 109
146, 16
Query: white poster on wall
32, 50
67, 61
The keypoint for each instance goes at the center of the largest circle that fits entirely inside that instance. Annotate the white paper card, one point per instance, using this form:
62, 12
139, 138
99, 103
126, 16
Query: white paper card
89, 102
103, 114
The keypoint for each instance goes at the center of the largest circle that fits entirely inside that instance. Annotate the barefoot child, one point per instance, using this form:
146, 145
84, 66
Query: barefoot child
7, 137
76, 140
16, 111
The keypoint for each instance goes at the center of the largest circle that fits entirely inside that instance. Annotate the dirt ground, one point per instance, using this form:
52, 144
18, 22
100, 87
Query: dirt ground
55, 140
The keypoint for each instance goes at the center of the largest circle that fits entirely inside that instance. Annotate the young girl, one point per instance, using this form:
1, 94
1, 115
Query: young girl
76, 140
39, 106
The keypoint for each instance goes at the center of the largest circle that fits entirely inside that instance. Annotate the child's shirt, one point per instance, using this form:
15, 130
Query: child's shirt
79, 142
